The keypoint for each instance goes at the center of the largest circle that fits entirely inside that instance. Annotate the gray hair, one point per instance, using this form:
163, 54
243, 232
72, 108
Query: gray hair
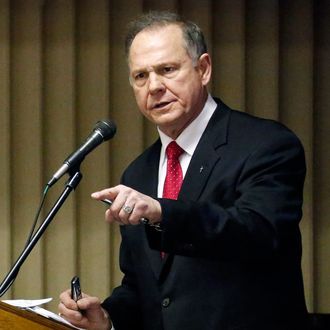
193, 36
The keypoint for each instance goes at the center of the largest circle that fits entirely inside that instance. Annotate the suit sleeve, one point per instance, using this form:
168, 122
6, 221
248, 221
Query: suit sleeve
261, 218
123, 305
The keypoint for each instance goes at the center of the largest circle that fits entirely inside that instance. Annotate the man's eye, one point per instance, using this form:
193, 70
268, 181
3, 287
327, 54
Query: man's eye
168, 69
140, 76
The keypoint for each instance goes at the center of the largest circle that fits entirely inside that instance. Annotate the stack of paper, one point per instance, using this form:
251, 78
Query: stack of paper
34, 306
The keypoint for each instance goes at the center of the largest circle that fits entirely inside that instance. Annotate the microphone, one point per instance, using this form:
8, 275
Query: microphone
103, 131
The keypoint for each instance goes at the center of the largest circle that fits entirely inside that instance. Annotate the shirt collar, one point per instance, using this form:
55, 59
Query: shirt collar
191, 135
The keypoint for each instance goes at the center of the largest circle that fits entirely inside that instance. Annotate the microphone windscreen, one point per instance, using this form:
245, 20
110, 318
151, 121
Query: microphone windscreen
107, 129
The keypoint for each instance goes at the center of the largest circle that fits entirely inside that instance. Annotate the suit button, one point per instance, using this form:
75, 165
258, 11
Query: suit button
189, 247
166, 302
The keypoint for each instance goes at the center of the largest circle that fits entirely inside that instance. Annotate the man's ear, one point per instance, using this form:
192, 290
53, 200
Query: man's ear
205, 68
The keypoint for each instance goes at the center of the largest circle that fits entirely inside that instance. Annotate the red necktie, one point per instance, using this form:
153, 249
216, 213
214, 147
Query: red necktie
174, 177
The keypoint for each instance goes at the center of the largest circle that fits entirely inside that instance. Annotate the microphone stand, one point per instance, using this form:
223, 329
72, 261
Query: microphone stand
75, 177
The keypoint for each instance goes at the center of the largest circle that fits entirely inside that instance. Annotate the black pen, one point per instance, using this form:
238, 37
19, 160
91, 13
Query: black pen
76, 289
107, 201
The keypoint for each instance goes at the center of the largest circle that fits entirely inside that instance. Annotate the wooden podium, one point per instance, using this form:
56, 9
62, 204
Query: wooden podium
13, 318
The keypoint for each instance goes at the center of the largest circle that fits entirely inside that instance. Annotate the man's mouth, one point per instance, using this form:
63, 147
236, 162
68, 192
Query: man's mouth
161, 105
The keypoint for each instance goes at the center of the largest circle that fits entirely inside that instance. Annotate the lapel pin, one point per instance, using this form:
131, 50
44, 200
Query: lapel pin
201, 169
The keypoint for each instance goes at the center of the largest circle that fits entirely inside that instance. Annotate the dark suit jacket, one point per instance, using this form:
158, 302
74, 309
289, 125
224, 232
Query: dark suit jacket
232, 238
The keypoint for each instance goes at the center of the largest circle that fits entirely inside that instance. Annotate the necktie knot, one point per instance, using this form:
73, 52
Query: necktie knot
173, 151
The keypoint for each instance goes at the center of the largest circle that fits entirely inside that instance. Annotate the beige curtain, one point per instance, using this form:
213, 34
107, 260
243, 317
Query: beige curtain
62, 68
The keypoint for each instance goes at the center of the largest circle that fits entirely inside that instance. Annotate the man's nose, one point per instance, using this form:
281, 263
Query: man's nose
155, 83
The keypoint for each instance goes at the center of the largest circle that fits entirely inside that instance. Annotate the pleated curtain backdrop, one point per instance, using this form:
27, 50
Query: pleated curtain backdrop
62, 68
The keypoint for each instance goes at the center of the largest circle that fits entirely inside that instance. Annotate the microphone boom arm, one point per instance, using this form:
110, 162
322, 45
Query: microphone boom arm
70, 185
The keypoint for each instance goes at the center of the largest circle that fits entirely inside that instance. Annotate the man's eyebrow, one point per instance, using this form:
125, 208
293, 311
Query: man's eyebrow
140, 69
159, 65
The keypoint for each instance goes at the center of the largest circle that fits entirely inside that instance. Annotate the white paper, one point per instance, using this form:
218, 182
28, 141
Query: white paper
50, 315
34, 306
23, 303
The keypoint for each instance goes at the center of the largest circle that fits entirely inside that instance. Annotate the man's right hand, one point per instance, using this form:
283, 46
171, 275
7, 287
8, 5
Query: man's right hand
86, 313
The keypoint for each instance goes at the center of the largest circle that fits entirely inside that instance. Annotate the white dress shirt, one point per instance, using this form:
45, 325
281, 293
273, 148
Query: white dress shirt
187, 140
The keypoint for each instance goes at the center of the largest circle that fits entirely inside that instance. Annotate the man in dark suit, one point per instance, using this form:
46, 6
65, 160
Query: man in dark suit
219, 246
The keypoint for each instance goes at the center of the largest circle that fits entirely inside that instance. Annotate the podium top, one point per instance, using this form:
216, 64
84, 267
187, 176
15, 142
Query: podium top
13, 318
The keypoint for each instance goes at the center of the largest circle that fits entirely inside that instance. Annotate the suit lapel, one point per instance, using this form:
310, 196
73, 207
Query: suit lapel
206, 155
153, 255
